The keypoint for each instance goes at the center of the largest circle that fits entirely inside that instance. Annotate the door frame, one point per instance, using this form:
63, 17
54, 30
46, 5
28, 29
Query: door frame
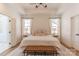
9, 21
72, 18
72, 31
60, 21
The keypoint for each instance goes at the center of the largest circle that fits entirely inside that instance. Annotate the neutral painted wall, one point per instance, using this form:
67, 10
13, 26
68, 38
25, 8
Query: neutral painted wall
70, 11
16, 20
66, 30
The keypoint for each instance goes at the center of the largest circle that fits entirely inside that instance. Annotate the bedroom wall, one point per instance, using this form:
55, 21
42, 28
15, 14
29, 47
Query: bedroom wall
17, 22
66, 30
69, 11
16, 37
41, 22
15, 17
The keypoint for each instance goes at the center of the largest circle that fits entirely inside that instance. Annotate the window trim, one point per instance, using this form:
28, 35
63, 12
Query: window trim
27, 26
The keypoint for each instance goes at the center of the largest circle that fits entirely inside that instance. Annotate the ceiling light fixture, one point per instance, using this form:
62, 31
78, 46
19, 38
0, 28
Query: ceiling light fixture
37, 5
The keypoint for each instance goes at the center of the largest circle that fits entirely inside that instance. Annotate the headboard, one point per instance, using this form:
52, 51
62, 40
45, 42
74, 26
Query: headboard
40, 33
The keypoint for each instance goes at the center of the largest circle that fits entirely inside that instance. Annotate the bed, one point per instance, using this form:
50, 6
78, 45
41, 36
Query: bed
40, 40
47, 40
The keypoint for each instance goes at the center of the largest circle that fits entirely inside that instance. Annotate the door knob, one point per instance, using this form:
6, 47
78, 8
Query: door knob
77, 34
9, 31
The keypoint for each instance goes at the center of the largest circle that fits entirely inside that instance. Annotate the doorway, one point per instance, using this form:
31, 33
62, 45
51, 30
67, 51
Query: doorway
5, 32
75, 32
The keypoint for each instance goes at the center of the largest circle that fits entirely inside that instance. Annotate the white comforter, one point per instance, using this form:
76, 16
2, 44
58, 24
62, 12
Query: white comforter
40, 40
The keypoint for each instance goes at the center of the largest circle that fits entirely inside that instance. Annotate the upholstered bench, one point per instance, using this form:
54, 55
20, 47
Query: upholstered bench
41, 50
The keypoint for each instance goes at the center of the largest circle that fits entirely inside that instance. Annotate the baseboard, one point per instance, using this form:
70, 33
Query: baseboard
16, 45
4, 53
66, 45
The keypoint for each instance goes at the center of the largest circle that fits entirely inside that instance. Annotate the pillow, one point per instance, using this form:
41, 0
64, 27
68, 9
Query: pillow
40, 33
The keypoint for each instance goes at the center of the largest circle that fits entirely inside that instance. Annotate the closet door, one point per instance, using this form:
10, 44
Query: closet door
75, 32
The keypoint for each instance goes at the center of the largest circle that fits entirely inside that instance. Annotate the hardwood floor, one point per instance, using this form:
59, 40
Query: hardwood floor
9, 50
76, 52
13, 51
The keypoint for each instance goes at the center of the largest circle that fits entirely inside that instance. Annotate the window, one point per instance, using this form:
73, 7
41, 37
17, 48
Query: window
27, 26
54, 25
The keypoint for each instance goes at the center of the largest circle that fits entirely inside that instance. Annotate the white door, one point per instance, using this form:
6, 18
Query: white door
5, 35
75, 32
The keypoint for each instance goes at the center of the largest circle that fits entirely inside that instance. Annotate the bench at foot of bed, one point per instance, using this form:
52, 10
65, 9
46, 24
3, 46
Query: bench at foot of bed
40, 50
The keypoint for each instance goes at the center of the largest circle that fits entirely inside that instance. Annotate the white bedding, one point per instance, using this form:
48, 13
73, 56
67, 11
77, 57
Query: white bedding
40, 40
45, 40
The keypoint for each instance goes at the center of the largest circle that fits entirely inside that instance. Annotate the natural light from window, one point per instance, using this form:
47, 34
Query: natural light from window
54, 25
27, 26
